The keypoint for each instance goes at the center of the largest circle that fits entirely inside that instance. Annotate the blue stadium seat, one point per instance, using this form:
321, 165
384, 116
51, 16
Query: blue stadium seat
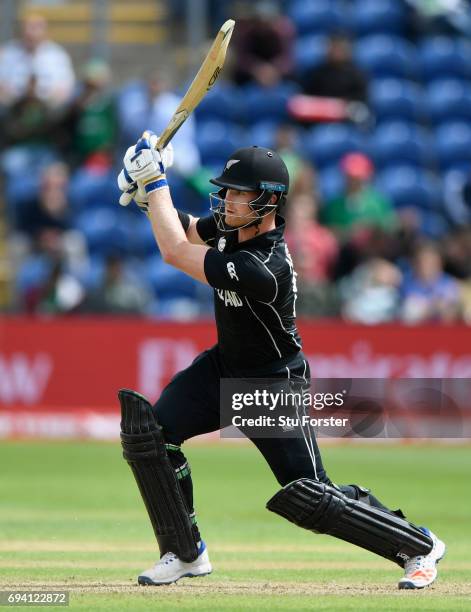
88, 189
433, 225
386, 56
133, 110
441, 57
453, 146
377, 16
331, 182
268, 103
140, 239
33, 272
449, 100
409, 187
106, 230
263, 134
223, 102
309, 52
396, 99
325, 144
175, 309
319, 17
216, 140
92, 275
397, 142
168, 282
19, 193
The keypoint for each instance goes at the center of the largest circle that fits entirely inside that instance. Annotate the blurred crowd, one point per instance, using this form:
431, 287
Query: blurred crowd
361, 251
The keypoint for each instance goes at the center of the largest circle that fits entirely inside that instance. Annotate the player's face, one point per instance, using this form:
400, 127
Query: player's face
237, 209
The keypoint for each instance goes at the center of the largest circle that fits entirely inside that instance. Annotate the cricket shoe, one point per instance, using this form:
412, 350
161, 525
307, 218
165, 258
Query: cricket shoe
421, 571
170, 568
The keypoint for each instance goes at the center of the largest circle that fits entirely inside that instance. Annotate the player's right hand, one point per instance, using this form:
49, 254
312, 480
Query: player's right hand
145, 164
131, 190
126, 183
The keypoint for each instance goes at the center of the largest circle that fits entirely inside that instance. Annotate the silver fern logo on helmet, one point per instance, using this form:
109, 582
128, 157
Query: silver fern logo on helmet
231, 162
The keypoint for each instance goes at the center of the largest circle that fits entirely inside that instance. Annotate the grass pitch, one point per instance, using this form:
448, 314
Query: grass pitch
71, 518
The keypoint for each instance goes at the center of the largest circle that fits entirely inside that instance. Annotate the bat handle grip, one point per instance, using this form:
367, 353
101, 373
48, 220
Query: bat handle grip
161, 143
158, 143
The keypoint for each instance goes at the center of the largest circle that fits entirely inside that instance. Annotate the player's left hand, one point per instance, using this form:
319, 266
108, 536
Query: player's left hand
143, 162
132, 191
127, 185
146, 166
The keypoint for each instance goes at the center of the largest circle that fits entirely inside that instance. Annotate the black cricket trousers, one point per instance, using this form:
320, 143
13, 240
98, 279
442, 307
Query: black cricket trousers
189, 406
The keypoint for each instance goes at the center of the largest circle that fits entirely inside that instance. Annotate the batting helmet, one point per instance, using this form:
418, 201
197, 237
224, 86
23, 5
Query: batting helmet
254, 169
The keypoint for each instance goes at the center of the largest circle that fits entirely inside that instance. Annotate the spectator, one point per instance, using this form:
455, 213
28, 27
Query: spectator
314, 250
457, 253
457, 198
337, 76
36, 57
428, 294
370, 295
50, 209
314, 247
61, 293
151, 105
466, 301
263, 46
448, 17
27, 121
361, 206
301, 173
90, 127
26, 128
117, 294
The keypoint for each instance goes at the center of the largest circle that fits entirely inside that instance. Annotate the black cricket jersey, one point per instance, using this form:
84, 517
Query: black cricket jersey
254, 295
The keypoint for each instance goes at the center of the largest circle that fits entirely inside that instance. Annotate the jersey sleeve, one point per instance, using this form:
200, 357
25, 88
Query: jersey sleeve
242, 272
206, 228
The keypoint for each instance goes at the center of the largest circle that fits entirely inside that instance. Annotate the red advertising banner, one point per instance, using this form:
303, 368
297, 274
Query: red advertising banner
67, 371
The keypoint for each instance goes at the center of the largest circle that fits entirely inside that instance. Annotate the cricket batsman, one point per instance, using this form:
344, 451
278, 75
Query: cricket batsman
240, 251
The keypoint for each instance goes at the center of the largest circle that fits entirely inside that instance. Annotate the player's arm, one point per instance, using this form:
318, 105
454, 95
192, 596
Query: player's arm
143, 179
242, 272
173, 231
202, 230
192, 232
175, 246
198, 230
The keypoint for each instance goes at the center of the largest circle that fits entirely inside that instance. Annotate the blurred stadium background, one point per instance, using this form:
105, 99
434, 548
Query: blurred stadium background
369, 103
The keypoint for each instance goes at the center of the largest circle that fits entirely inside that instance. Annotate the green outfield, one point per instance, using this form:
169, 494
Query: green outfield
71, 518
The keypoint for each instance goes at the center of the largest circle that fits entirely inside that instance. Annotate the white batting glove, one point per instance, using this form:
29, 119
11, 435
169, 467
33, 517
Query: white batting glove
132, 191
146, 164
141, 198
150, 173
126, 183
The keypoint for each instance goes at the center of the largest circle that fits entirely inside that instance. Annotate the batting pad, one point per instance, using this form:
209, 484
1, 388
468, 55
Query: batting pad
323, 509
144, 449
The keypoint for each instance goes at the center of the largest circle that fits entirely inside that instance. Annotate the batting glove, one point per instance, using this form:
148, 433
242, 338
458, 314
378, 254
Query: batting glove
146, 164
132, 191
126, 184
145, 167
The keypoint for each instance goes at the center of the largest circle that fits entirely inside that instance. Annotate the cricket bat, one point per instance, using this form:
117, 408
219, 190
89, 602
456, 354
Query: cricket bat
204, 80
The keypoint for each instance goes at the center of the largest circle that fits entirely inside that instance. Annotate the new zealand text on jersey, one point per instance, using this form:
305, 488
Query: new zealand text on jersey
230, 298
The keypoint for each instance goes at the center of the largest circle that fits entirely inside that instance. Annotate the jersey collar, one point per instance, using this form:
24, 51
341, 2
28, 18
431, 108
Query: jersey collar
267, 238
